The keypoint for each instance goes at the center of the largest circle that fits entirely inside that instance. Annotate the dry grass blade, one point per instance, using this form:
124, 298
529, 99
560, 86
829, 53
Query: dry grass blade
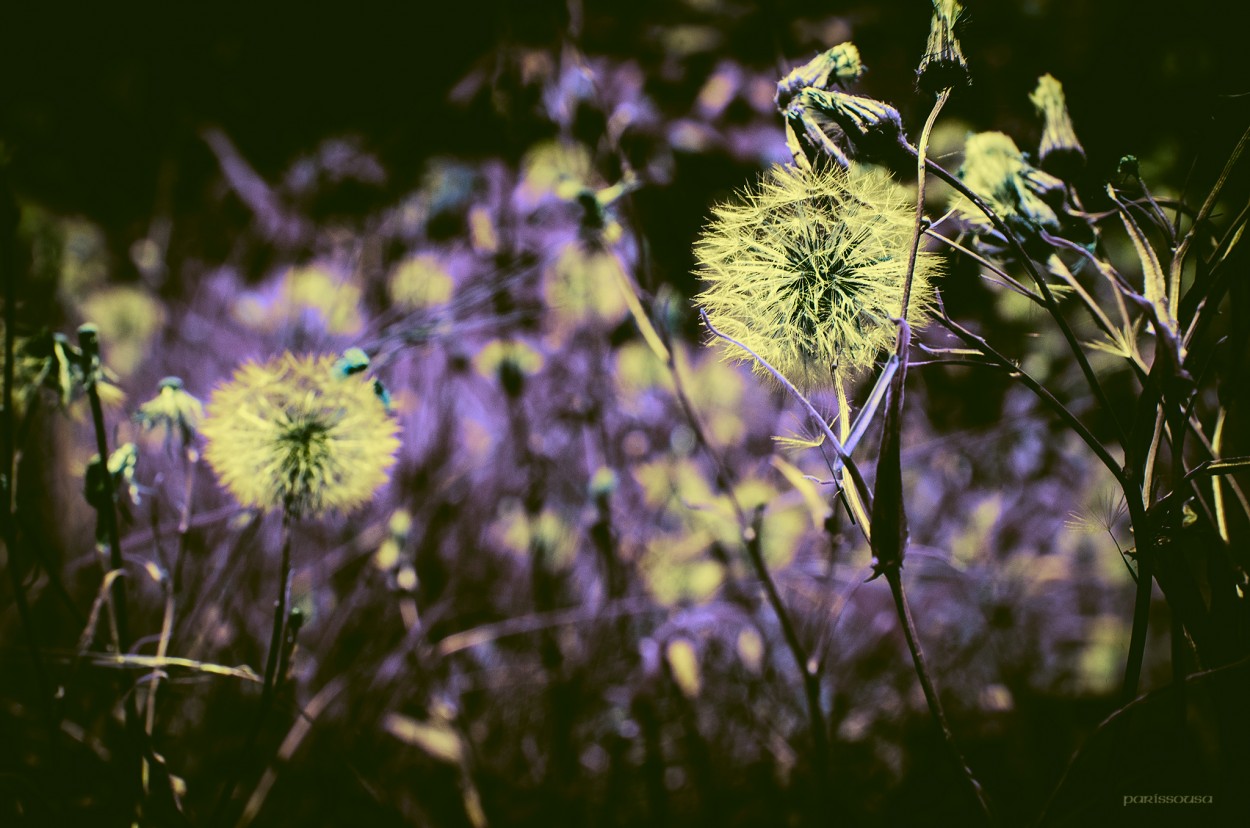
129, 662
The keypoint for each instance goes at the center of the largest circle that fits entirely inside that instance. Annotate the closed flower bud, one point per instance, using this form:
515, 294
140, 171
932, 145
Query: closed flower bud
873, 128
839, 65
943, 65
1060, 151
173, 409
995, 169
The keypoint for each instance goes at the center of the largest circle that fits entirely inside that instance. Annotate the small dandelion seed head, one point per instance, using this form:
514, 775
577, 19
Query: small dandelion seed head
295, 434
807, 270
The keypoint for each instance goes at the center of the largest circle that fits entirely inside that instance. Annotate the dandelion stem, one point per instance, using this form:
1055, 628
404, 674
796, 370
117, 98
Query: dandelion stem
838, 449
751, 540
889, 518
811, 678
894, 577
269, 684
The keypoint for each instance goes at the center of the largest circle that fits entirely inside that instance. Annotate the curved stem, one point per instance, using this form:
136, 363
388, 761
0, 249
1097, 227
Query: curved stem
894, 577
834, 442
1042, 288
811, 680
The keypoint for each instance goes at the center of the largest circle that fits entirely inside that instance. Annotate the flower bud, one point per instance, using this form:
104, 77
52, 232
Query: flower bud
838, 65
943, 65
1060, 151
873, 128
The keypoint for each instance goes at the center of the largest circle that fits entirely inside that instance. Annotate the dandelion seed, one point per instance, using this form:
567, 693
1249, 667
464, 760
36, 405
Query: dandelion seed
808, 270
294, 433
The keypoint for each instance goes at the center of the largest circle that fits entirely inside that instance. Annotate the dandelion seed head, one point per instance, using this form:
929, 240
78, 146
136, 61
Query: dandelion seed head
807, 270
295, 434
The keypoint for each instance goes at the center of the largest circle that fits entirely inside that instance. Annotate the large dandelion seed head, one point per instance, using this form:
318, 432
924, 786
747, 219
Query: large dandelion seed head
808, 269
295, 434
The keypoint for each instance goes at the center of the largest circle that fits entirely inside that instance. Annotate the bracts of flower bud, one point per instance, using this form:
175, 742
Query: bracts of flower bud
1060, 151
943, 65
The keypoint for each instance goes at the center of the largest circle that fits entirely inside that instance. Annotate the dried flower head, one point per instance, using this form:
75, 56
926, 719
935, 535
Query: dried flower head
808, 269
841, 64
996, 170
1060, 151
295, 434
873, 128
943, 65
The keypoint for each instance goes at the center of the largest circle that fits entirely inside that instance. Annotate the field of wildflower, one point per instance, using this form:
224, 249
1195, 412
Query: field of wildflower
658, 414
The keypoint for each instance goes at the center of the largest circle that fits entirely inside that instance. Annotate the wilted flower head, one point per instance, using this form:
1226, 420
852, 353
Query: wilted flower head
1060, 150
943, 65
293, 433
841, 64
996, 170
808, 270
174, 409
873, 128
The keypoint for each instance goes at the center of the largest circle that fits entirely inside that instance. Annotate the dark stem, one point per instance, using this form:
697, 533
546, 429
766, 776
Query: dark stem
811, 680
1042, 288
894, 576
269, 686
89, 342
8, 464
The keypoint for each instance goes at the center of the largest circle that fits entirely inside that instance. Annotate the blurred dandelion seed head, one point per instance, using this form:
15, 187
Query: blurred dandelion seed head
293, 433
421, 282
807, 270
128, 318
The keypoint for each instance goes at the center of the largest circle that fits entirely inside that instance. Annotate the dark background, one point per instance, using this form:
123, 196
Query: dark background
99, 101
